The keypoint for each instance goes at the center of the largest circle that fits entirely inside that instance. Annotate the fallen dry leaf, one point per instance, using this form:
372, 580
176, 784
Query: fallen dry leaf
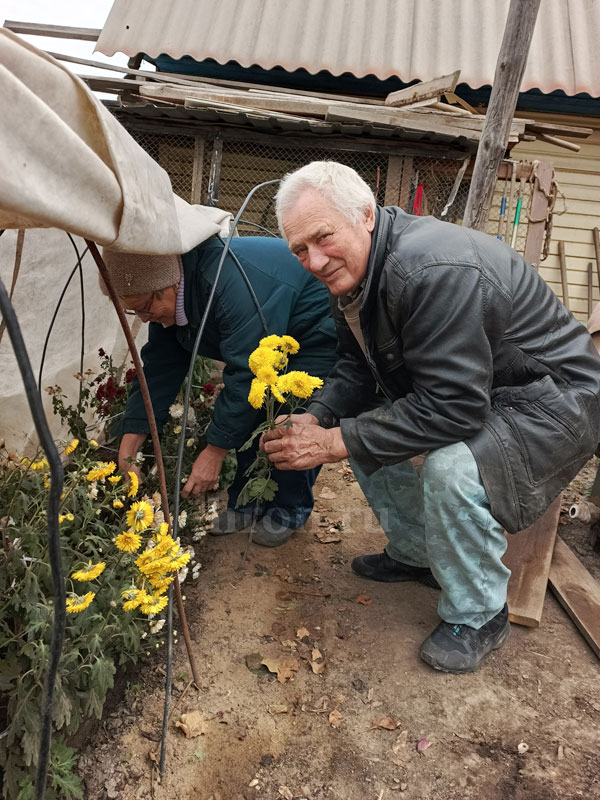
253, 660
283, 574
192, 724
364, 600
279, 709
400, 742
318, 661
423, 745
288, 643
335, 718
302, 634
328, 537
387, 723
327, 493
285, 666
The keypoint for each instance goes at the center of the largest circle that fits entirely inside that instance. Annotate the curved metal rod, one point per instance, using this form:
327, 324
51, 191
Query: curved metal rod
56, 487
261, 227
186, 404
55, 314
153, 433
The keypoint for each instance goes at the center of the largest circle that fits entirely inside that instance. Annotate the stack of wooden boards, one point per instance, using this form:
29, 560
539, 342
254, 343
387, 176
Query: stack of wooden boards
537, 556
415, 110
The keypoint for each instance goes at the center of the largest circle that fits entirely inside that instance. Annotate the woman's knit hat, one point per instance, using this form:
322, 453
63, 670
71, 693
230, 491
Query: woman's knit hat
135, 273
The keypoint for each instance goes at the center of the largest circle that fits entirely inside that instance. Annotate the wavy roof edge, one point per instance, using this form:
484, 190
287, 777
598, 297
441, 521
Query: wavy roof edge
408, 39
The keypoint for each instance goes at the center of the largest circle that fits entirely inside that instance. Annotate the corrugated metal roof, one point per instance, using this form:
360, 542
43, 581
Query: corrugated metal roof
410, 39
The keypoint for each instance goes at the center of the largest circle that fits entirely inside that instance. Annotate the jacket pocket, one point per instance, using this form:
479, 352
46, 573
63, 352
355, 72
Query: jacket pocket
550, 426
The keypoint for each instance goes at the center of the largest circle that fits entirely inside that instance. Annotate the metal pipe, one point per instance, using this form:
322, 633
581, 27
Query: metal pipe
585, 512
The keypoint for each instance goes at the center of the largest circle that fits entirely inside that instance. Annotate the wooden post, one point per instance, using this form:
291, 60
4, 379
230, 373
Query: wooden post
590, 288
538, 216
407, 170
197, 173
392, 181
503, 101
596, 235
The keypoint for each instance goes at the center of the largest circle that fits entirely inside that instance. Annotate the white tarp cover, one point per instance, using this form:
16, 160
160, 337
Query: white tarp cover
67, 163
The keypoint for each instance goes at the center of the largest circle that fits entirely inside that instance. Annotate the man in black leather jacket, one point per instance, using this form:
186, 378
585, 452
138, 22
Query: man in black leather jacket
449, 345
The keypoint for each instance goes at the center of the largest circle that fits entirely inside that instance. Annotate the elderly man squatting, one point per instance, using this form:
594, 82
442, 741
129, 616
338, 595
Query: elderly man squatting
171, 293
450, 345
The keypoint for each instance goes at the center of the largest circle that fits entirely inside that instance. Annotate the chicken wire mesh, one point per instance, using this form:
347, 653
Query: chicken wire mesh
419, 185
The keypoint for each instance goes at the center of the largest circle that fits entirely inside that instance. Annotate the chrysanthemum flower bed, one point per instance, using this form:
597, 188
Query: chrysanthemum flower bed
118, 559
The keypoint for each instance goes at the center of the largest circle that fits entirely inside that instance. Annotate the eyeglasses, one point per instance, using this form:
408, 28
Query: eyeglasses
146, 311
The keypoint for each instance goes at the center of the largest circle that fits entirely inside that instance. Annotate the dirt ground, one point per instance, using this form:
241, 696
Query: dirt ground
361, 717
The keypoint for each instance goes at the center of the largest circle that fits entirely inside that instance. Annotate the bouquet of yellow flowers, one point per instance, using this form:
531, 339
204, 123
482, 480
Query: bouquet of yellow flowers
272, 388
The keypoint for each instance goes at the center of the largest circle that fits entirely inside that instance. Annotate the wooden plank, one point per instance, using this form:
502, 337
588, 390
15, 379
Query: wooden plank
58, 31
577, 592
596, 236
545, 137
510, 67
423, 90
393, 181
90, 62
528, 556
424, 124
570, 131
536, 230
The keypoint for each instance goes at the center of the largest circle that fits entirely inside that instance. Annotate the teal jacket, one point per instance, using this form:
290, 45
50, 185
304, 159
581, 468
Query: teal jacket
292, 302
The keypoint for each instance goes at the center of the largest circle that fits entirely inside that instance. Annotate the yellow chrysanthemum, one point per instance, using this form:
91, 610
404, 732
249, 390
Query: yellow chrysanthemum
47, 483
101, 471
257, 393
134, 598
36, 466
163, 529
134, 483
266, 375
117, 504
300, 384
161, 583
154, 604
77, 602
140, 516
180, 561
90, 572
70, 448
68, 517
115, 478
263, 357
94, 444
128, 541
271, 341
289, 345
276, 393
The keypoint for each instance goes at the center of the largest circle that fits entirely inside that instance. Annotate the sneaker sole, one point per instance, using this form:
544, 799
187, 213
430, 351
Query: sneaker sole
502, 641
426, 580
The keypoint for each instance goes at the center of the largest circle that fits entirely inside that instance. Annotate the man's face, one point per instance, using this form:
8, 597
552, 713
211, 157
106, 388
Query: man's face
153, 307
326, 244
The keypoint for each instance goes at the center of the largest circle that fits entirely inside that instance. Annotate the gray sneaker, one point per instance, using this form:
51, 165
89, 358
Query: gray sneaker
460, 648
230, 521
271, 534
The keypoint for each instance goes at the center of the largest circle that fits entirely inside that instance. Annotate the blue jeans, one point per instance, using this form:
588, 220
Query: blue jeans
441, 519
293, 500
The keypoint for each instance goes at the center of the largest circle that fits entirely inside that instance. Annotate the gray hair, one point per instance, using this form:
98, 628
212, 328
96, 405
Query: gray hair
340, 185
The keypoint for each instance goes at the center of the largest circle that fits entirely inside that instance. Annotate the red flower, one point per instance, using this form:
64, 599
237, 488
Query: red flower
101, 353
129, 375
209, 389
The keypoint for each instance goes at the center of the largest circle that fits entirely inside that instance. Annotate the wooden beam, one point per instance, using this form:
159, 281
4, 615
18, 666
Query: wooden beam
540, 200
510, 67
545, 137
570, 131
58, 31
596, 236
577, 592
528, 557
425, 123
423, 90
90, 62
393, 181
